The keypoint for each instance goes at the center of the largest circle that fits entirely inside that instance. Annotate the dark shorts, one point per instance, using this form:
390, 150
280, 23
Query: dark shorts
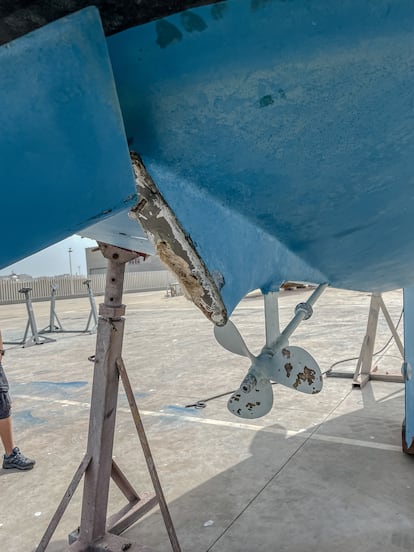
5, 402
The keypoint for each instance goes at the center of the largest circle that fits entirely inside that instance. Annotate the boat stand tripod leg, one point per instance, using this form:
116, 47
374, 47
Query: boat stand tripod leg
93, 315
363, 371
53, 328
148, 457
96, 532
363, 368
35, 338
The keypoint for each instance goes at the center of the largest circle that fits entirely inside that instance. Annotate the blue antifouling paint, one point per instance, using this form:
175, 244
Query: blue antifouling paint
280, 134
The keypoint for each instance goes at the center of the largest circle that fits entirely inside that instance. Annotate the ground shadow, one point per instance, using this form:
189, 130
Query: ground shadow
347, 486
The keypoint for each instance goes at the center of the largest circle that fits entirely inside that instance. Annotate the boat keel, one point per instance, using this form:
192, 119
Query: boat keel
175, 247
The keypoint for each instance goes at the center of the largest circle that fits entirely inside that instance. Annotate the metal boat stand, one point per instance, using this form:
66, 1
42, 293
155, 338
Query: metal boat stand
97, 533
55, 325
408, 423
34, 338
363, 371
93, 314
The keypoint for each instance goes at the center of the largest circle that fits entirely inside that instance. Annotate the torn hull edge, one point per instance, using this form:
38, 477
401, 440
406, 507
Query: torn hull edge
175, 247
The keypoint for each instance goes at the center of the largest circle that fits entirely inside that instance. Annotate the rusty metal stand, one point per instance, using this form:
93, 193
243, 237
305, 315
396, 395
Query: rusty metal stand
97, 533
363, 372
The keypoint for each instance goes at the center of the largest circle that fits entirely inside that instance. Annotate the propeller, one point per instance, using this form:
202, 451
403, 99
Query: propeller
277, 362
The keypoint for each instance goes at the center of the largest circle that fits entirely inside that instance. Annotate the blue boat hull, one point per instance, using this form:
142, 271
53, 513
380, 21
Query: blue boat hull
279, 134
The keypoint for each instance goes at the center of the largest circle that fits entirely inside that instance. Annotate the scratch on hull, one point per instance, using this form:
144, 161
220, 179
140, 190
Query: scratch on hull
175, 247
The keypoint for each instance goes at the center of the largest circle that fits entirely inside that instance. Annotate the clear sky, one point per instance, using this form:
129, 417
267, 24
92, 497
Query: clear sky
54, 260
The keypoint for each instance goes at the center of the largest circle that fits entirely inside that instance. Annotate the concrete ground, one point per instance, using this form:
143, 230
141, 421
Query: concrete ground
319, 473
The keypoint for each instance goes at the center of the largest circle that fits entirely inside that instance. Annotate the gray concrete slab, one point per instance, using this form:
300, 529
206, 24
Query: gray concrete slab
318, 473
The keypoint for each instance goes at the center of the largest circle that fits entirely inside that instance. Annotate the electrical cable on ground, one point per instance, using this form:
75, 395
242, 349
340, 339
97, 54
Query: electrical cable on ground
202, 402
374, 354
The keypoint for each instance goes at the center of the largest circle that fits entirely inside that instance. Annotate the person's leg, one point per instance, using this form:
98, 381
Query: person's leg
6, 435
13, 459
6, 432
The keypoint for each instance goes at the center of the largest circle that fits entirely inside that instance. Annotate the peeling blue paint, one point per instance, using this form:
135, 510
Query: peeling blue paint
192, 22
24, 418
52, 389
167, 33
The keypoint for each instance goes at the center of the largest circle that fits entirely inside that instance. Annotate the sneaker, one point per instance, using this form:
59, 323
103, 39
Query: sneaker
17, 460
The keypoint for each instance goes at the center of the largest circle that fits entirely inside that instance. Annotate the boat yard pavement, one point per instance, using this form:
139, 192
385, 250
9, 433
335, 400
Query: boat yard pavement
317, 473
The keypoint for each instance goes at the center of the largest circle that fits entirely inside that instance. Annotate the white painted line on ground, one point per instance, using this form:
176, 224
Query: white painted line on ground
236, 425
53, 401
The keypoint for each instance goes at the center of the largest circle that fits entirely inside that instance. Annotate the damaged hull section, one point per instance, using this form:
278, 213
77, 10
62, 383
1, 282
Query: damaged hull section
175, 247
